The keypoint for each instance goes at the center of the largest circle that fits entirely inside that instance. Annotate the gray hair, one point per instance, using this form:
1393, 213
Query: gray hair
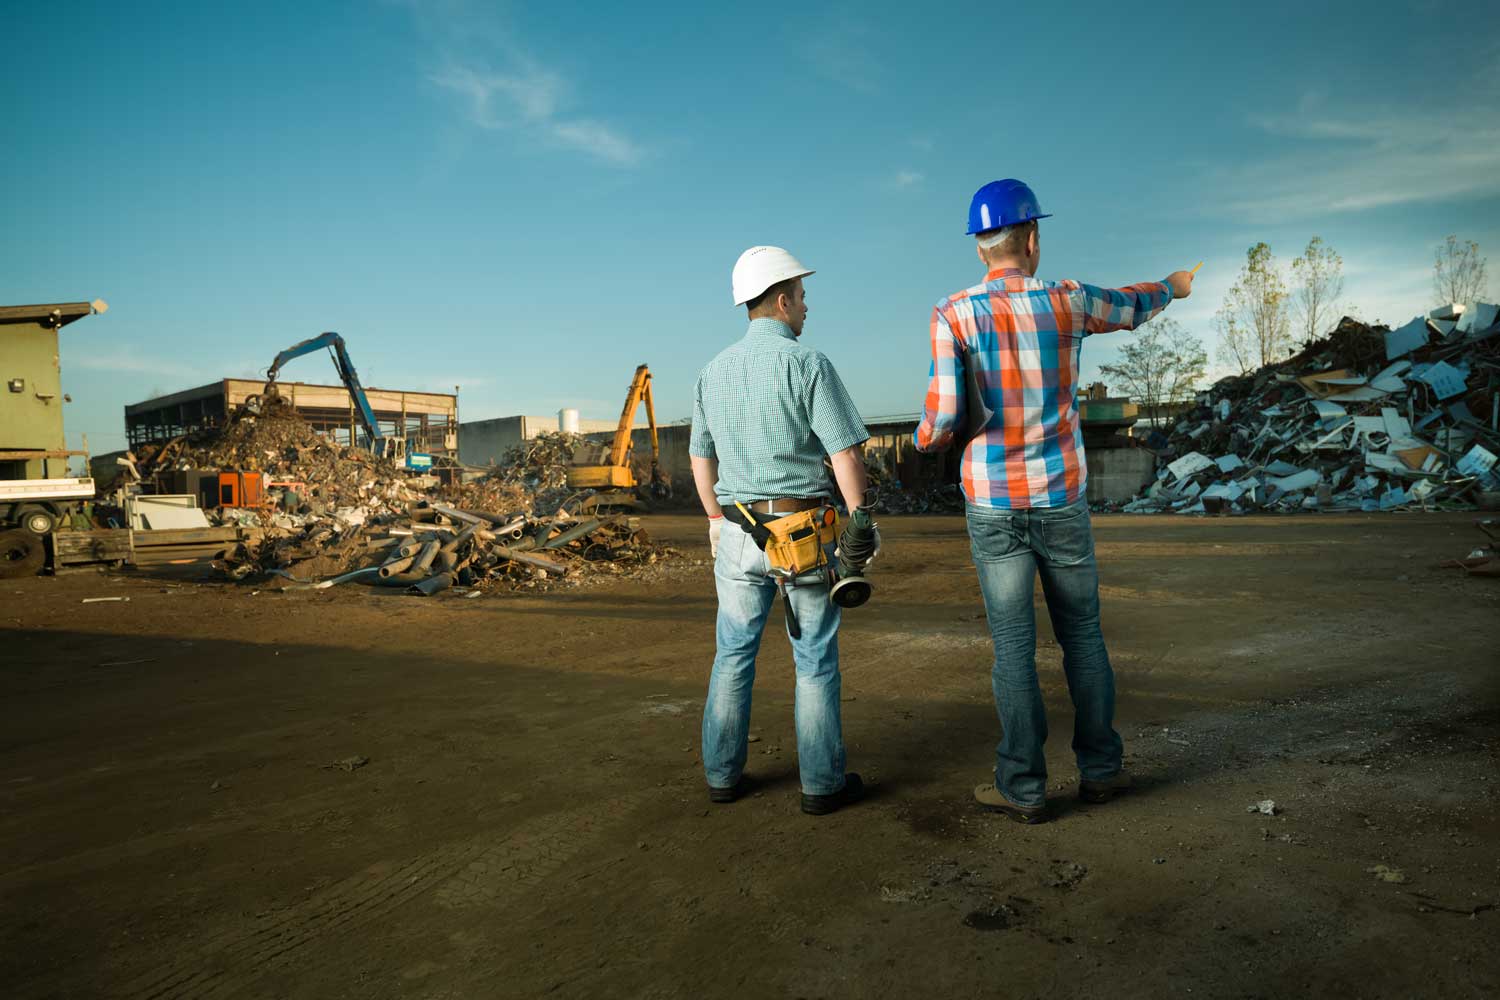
1007, 241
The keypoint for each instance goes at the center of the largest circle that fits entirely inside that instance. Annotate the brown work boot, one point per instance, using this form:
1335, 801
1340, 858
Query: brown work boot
989, 796
1099, 792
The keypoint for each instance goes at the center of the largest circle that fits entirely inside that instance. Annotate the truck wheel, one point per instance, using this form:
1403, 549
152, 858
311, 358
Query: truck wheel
21, 554
37, 521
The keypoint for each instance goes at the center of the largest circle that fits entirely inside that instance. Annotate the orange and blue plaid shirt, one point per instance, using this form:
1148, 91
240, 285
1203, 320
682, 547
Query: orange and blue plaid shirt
1004, 379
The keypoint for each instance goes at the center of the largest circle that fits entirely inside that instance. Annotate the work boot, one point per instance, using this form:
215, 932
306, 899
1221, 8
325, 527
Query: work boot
822, 805
726, 795
1099, 792
989, 796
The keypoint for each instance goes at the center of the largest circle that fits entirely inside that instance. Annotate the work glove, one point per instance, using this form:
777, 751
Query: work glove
715, 525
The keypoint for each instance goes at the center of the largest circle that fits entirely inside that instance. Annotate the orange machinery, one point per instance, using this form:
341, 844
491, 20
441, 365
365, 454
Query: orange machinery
617, 473
241, 489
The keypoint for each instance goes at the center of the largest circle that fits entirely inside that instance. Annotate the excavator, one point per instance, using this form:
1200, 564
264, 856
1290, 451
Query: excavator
617, 474
393, 448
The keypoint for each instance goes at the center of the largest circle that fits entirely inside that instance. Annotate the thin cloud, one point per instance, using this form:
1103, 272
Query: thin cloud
907, 178
840, 51
1356, 159
507, 89
600, 140
500, 100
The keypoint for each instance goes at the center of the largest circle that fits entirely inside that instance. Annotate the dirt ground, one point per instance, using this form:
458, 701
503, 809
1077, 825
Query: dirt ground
185, 811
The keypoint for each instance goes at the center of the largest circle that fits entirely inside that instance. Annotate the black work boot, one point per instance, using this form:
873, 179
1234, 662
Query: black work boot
725, 795
822, 805
1099, 792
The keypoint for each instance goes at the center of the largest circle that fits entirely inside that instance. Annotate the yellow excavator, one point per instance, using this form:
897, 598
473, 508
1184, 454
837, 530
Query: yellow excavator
617, 473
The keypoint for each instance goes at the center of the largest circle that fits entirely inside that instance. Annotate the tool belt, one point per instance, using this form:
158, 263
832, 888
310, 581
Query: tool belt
793, 542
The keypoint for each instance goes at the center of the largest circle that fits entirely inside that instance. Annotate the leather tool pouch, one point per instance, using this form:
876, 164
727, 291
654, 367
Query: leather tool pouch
793, 543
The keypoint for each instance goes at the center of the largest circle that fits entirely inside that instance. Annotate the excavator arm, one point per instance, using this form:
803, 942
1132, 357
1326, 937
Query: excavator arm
347, 375
617, 473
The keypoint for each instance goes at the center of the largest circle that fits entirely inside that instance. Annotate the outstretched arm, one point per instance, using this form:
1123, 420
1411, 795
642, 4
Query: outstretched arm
1108, 309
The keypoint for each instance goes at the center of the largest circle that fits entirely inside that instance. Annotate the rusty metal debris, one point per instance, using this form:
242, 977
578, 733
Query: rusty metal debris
1483, 561
331, 515
1366, 419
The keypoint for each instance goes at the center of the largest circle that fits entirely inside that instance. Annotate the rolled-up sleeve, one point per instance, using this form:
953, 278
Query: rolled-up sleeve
701, 441
944, 406
1107, 309
830, 409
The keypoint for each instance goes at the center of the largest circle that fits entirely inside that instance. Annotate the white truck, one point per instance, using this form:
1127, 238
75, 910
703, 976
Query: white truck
29, 510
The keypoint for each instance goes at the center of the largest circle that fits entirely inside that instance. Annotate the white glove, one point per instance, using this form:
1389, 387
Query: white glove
876, 530
715, 525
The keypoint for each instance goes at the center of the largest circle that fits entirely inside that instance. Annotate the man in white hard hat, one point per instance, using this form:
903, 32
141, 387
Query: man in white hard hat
766, 411
1005, 356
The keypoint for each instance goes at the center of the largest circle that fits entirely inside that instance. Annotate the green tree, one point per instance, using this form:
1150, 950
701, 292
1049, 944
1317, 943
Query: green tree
1161, 364
1317, 283
1458, 272
1254, 323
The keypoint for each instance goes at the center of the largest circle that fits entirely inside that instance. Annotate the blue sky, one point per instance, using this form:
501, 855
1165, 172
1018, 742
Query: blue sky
528, 200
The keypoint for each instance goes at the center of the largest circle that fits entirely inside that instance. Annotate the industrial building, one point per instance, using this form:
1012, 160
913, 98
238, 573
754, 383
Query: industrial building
428, 420
32, 442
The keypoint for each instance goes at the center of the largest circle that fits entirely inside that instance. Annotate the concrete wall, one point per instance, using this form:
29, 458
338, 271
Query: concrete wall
485, 442
1118, 473
31, 402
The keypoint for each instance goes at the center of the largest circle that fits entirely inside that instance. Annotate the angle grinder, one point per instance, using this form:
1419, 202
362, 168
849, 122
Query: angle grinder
858, 544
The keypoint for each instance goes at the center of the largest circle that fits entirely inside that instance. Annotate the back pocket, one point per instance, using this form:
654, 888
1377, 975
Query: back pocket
992, 537
1069, 538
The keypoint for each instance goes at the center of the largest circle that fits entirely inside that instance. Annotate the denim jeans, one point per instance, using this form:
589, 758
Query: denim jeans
745, 598
1009, 547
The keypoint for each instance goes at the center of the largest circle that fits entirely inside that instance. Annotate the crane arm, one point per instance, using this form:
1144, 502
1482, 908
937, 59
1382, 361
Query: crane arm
640, 387
347, 375
308, 346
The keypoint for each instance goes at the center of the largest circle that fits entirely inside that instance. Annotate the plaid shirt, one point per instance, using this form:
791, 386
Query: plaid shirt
769, 408
1004, 376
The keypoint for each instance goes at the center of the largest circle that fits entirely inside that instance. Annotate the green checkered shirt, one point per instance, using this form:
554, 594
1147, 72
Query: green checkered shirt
769, 409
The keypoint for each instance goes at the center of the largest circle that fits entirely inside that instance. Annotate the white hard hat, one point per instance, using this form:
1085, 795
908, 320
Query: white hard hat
761, 267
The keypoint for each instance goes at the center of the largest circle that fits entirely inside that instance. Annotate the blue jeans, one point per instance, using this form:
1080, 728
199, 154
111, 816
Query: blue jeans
745, 598
1009, 548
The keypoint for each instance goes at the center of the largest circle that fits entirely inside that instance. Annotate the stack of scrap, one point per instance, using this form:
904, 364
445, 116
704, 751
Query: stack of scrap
333, 514
433, 547
1367, 419
534, 473
891, 497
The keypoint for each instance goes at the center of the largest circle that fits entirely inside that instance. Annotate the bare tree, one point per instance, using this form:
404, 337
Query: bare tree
1458, 272
1161, 364
1235, 343
1317, 283
1255, 322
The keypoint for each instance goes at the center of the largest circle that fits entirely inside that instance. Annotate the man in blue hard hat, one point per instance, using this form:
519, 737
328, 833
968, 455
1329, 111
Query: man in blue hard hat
1002, 387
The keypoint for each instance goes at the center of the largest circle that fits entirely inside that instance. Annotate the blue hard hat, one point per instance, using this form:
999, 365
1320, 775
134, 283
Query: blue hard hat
1003, 203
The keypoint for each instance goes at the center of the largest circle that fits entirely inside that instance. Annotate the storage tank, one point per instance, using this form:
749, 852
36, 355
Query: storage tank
567, 421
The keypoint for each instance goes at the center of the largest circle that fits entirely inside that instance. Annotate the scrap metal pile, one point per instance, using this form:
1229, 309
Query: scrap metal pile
431, 547
1368, 419
892, 497
333, 514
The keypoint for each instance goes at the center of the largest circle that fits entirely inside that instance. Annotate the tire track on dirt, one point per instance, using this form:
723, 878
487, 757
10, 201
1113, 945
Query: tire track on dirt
473, 872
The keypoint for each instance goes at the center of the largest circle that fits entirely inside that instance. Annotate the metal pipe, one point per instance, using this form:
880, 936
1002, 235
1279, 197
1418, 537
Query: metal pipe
396, 567
434, 584
344, 578
400, 579
424, 559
